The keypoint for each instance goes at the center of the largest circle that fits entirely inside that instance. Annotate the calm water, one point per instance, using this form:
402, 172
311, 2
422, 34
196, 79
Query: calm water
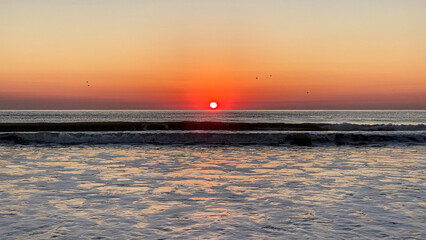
193, 192
367, 117
363, 177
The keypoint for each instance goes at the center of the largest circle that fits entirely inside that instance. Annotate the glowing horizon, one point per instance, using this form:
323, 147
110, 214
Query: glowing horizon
183, 55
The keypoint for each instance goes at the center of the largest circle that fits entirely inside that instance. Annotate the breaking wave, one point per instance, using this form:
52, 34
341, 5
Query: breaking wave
194, 125
218, 137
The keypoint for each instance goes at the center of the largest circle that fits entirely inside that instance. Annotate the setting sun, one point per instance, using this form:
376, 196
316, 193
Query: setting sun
213, 105
199, 119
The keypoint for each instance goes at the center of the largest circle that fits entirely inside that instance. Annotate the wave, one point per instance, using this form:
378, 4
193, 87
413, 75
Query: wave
374, 127
193, 125
219, 138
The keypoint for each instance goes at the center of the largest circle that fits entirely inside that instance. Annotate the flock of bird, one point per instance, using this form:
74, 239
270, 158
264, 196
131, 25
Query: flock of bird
257, 78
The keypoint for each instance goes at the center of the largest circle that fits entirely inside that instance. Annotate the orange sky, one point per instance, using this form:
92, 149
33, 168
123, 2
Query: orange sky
183, 54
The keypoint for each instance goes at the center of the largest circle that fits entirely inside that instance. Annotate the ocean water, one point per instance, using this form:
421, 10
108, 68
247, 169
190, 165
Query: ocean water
295, 116
243, 174
215, 127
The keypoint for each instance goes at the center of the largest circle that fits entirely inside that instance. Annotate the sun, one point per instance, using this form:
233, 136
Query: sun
213, 105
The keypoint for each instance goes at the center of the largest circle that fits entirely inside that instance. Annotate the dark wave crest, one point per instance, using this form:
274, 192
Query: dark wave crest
192, 125
219, 138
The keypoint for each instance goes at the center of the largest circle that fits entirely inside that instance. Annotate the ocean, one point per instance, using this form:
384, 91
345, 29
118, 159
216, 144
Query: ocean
212, 174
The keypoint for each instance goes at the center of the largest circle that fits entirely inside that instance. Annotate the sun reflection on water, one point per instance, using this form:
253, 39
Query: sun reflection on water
212, 192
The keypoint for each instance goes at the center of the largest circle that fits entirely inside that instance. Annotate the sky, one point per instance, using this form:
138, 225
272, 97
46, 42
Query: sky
168, 54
